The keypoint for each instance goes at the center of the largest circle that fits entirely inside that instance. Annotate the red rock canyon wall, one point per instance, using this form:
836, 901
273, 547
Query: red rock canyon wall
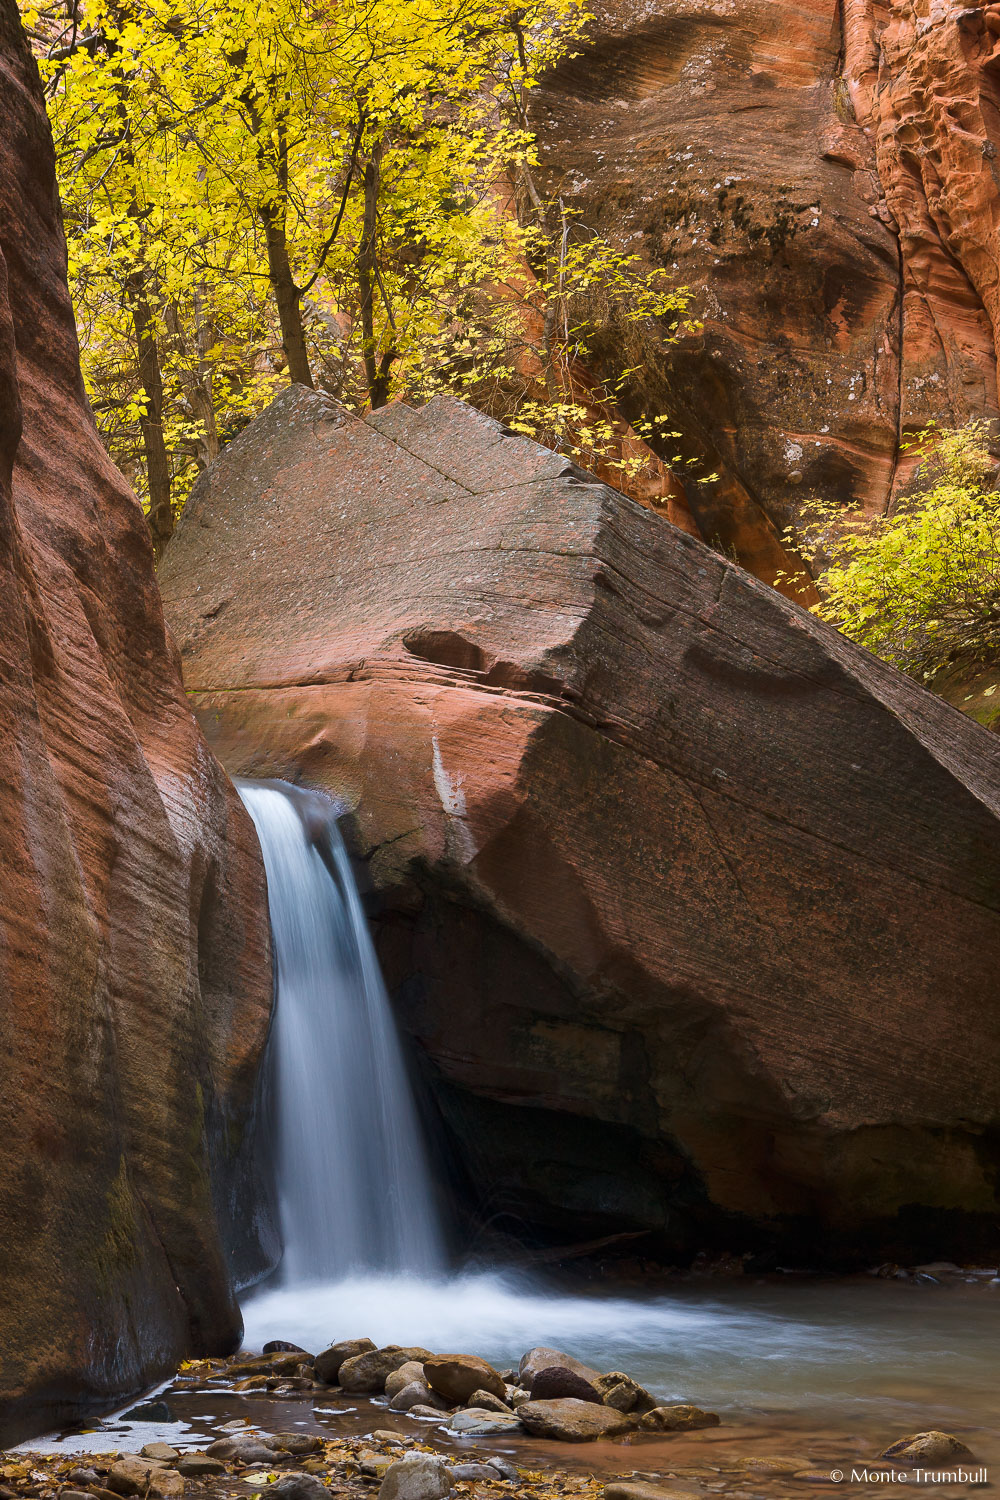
823, 175
134, 957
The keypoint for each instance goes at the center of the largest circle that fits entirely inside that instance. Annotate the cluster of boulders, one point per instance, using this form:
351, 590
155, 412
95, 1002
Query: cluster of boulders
550, 1394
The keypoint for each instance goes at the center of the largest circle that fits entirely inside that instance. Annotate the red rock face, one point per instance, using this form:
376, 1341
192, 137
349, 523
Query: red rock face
133, 936
690, 905
824, 177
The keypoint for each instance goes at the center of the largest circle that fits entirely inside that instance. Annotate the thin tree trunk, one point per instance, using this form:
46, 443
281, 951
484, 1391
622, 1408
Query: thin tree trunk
161, 515
377, 371
286, 295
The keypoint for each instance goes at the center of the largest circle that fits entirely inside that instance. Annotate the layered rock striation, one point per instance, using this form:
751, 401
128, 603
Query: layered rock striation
134, 947
690, 905
823, 176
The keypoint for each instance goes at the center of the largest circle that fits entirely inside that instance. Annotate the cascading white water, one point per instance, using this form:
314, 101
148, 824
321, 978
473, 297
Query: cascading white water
354, 1188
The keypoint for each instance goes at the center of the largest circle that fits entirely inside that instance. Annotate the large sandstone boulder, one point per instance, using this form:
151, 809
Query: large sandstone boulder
691, 906
133, 931
840, 237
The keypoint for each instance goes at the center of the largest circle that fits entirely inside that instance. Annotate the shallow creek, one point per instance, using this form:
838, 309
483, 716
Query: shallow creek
826, 1371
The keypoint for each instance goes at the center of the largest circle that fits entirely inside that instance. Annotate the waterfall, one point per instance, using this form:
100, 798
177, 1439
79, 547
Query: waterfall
354, 1188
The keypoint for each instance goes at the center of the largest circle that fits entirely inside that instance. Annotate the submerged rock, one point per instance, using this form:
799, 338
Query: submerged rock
572, 1421
634, 1489
926, 1448
680, 1418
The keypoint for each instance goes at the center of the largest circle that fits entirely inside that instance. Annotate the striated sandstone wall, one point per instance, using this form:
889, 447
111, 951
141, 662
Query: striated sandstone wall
823, 175
134, 957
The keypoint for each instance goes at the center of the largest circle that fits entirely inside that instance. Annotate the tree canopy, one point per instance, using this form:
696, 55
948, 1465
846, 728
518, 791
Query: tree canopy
324, 194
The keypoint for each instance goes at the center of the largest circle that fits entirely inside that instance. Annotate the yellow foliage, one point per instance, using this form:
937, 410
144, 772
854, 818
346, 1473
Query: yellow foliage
283, 190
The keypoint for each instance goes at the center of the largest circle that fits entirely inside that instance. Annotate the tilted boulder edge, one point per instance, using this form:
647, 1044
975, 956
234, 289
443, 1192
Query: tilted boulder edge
691, 906
133, 925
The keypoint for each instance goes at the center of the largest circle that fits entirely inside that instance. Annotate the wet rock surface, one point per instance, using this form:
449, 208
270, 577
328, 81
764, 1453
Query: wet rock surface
564, 733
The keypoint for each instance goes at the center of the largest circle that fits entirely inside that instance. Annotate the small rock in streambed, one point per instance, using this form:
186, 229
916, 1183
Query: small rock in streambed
413, 1370
926, 1447
470, 1473
681, 1418
294, 1442
572, 1421
280, 1346
375, 1465
504, 1469
327, 1365
132, 1475
149, 1411
366, 1374
414, 1394
417, 1476
200, 1466
298, 1487
771, 1467
557, 1381
456, 1376
475, 1422
486, 1401
245, 1450
541, 1358
162, 1451
266, 1364
84, 1477
69, 1494
624, 1394
631, 1489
